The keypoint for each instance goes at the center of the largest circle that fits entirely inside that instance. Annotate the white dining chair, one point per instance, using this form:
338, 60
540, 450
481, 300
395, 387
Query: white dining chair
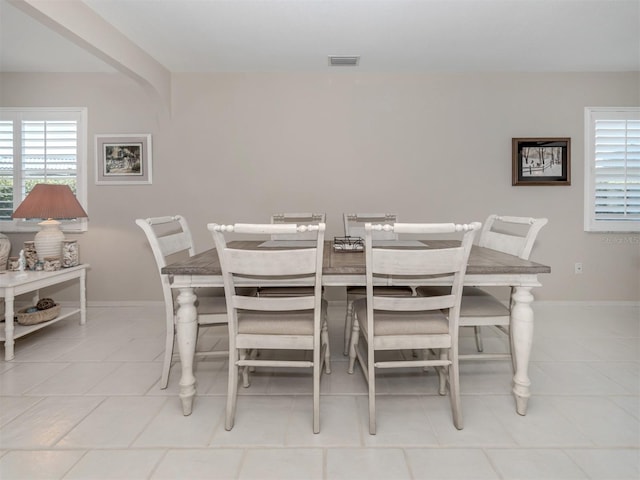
279, 323
354, 227
412, 322
170, 238
300, 219
507, 234
292, 218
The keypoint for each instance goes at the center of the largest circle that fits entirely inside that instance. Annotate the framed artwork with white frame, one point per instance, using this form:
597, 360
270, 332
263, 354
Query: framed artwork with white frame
123, 159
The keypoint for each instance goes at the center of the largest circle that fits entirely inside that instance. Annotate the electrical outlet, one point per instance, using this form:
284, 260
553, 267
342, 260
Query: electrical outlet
578, 268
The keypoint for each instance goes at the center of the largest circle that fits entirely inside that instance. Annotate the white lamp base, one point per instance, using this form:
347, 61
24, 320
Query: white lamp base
48, 241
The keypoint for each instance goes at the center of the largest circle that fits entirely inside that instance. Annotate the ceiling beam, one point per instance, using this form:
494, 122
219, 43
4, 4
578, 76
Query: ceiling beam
74, 20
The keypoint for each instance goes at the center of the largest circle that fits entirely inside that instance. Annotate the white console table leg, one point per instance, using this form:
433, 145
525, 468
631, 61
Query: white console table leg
8, 324
522, 333
83, 297
187, 333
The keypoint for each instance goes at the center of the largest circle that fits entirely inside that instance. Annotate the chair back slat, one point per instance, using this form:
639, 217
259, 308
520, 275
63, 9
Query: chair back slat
507, 239
274, 303
415, 262
270, 262
174, 243
415, 304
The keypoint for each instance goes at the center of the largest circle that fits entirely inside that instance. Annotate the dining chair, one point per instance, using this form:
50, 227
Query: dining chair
479, 308
354, 227
273, 324
354, 224
292, 218
300, 219
170, 238
427, 324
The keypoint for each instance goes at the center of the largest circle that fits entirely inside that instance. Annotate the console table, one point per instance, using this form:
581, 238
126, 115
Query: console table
18, 283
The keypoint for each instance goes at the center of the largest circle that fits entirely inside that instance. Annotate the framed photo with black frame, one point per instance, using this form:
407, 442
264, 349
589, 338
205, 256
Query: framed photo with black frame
541, 161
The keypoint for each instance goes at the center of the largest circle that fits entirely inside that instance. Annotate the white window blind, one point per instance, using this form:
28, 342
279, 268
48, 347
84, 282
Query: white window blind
6, 169
50, 151
612, 172
40, 146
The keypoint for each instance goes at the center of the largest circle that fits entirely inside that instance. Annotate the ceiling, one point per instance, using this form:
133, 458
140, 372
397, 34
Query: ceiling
388, 35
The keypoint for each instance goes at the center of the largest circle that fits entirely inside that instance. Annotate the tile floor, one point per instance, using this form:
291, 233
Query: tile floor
84, 403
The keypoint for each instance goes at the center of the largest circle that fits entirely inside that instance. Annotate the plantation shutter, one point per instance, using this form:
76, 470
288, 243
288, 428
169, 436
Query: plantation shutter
614, 171
49, 151
6, 169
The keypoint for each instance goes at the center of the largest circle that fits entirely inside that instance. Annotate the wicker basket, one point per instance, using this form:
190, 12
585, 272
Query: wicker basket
40, 316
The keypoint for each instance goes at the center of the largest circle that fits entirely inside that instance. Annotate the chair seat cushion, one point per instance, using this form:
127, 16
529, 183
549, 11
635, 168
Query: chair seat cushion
209, 291
296, 322
381, 291
475, 301
219, 291
285, 291
210, 305
402, 323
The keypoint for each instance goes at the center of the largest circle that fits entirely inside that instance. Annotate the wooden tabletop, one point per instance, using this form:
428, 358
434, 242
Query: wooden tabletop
482, 261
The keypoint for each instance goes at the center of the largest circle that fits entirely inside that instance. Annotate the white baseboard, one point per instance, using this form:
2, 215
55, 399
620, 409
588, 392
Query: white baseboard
586, 303
536, 303
133, 303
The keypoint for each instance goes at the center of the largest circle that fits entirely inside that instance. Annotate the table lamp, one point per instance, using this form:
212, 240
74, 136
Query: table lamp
50, 202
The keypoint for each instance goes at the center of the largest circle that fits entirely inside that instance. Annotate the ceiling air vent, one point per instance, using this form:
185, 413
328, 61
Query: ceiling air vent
344, 60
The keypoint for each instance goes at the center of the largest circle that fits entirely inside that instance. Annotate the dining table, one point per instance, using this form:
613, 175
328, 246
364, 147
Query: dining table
485, 268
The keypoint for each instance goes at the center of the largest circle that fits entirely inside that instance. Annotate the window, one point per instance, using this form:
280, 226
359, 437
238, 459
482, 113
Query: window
612, 170
41, 145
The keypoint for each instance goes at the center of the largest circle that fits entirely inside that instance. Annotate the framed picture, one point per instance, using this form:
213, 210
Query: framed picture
541, 161
123, 159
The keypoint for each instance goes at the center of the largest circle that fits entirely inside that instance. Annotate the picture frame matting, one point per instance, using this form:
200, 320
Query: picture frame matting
541, 161
123, 159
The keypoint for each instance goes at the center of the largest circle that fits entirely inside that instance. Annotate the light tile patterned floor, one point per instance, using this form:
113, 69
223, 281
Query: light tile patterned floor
84, 403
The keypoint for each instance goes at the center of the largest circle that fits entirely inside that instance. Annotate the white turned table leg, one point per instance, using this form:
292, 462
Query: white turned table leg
187, 333
522, 333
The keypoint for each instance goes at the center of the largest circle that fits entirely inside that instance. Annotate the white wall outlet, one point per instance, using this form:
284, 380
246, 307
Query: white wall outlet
578, 268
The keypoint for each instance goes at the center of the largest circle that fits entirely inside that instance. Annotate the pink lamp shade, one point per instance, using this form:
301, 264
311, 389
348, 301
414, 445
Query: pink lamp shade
50, 202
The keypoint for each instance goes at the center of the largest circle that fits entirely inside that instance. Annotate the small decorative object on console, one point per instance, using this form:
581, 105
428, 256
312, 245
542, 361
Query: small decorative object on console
5, 247
30, 255
69, 253
45, 303
348, 244
14, 264
51, 264
46, 309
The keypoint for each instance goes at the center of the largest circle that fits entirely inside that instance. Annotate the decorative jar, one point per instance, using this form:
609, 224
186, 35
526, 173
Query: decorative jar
30, 255
70, 253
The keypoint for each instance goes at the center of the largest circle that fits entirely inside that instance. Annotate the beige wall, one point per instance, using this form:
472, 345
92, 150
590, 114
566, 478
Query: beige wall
237, 147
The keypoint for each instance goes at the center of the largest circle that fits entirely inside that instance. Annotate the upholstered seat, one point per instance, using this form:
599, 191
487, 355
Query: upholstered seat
274, 323
402, 323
